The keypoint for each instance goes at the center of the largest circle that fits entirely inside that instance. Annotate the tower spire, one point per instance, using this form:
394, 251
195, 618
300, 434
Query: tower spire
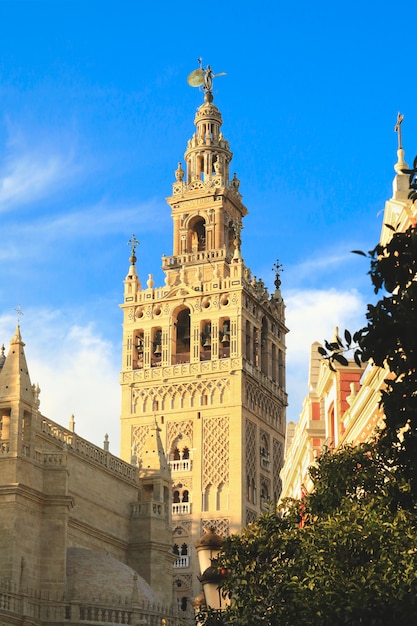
132, 282
14, 376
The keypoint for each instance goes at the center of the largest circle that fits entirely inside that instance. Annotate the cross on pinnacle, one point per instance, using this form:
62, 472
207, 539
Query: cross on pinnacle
278, 269
397, 129
19, 314
133, 243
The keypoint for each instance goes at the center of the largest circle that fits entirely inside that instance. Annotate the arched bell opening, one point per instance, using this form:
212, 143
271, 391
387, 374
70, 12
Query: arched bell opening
181, 350
156, 346
230, 237
197, 235
264, 346
224, 337
206, 340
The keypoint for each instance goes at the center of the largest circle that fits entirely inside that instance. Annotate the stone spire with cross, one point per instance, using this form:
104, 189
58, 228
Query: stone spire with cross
132, 281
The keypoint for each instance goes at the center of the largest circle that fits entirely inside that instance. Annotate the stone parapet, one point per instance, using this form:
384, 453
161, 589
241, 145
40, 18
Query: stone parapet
30, 607
83, 448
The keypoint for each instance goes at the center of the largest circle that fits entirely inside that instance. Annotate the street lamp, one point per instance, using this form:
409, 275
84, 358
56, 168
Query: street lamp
208, 607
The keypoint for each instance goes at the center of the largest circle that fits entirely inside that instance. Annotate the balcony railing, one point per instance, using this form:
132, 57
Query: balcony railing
265, 462
265, 503
182, 561
183, 465
181, 508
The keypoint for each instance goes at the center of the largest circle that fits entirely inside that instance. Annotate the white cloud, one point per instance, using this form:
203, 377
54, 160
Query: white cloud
311, 316
30, 176
104, 218
77, 371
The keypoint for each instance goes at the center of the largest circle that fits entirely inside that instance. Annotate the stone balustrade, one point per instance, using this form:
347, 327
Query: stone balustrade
32, 607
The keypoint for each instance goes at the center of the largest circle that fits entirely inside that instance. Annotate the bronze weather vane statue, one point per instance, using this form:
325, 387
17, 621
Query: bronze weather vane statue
203, 77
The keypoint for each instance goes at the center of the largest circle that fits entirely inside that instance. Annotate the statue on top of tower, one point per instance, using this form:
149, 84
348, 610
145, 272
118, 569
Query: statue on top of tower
203, 78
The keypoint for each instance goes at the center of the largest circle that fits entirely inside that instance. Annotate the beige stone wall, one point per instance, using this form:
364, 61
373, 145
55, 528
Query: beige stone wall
67, 492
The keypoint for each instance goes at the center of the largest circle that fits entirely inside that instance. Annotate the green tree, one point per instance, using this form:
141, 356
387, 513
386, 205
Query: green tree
339, 556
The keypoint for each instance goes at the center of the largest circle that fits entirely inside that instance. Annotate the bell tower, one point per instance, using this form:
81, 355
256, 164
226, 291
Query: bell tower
204, 356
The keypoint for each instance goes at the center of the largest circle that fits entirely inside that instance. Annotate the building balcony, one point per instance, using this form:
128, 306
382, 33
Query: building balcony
4, 446
199, 256
182, 561
183, 465
265, 463
265, 504
181, 508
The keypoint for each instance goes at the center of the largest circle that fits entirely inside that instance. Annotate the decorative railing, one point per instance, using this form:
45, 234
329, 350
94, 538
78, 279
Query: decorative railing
193, 257
141, 509
15, 605
87, 450
182, 561
265, 463
180, 466
4, 446
181, 508
186, 369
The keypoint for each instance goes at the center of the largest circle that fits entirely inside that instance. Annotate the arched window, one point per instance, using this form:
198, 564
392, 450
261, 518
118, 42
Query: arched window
206, 340
138, 348
176, 496
185, 496
248, 342
184, 549
185, 453
177, 454
182, 344
197, 236
264, 346
156, 348
224, 338
175, 549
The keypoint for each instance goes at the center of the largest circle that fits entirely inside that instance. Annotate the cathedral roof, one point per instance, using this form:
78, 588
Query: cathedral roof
95, 576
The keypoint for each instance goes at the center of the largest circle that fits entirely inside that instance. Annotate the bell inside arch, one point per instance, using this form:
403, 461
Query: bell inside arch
206, 337
225, 335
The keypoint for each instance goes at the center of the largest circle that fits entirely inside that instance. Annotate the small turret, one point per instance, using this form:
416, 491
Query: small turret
14, 375
19, 399
132, 282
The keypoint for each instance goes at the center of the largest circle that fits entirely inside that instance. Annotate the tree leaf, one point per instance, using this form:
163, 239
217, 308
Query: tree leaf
348, 337
340, 359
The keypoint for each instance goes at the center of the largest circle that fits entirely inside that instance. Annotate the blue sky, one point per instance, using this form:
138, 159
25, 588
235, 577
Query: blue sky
95, 113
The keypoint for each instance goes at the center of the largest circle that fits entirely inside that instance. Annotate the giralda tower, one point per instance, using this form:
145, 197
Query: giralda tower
204, 356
